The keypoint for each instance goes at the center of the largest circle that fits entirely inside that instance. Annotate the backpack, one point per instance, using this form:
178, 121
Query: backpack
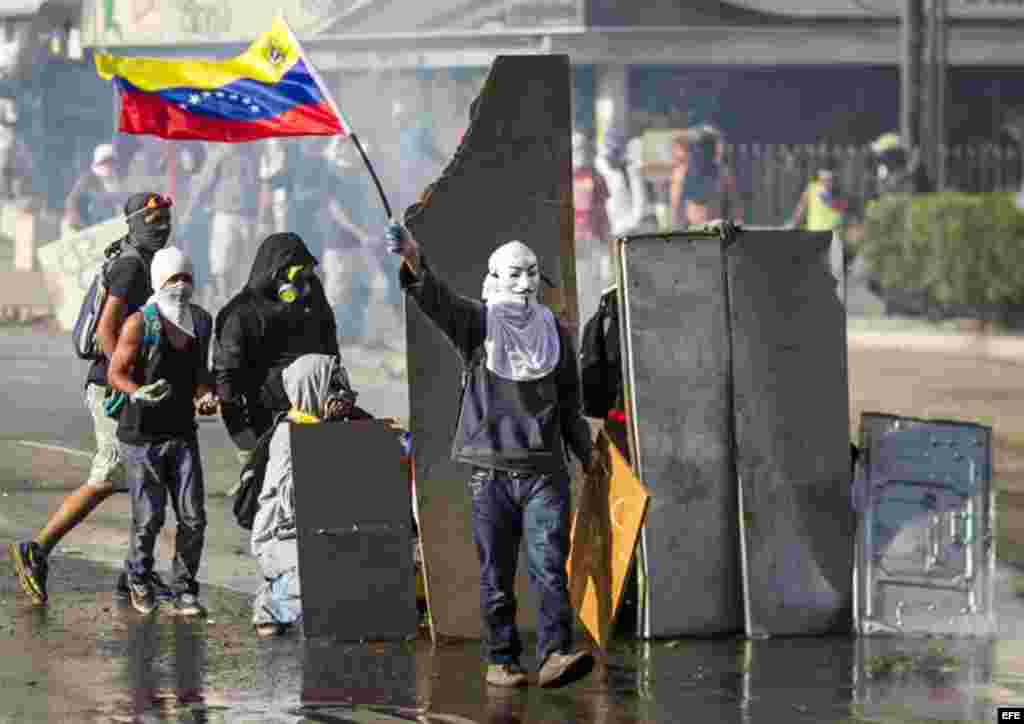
151, 331
601, 359
250, 481
83, 333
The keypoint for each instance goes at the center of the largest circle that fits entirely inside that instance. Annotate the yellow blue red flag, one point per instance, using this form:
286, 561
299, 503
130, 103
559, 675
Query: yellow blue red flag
269, 90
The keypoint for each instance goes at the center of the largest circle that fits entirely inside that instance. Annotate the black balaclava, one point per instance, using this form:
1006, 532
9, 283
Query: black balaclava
276, 255
148, 230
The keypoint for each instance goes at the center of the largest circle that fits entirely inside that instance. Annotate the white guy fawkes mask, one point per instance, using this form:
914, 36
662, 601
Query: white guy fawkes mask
516, 274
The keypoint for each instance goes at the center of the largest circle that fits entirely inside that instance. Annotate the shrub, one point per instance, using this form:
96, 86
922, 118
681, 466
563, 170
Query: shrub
962, 250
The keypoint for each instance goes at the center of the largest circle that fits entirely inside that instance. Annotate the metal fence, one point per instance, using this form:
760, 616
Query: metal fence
773, 176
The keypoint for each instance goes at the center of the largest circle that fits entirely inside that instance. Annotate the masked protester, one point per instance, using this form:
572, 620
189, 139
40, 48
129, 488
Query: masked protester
280, 315
163, 372
520, 408
318, 390
149, 227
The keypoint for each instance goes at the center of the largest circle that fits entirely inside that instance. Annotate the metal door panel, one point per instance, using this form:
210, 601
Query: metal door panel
353, 513
791, 412
677, 359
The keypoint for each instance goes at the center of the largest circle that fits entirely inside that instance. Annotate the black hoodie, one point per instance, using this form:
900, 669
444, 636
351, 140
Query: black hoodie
257, 336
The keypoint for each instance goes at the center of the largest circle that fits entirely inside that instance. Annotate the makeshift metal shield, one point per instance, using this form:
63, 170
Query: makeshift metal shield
790, 406
511, 178
604, 534
926, 547
675, 336
353, 511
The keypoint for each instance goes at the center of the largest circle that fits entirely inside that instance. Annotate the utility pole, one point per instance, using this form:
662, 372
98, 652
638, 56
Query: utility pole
940, 89
934, 121
912, 45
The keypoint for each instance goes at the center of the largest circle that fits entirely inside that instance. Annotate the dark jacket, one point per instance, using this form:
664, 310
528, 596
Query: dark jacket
257, 336
507, 425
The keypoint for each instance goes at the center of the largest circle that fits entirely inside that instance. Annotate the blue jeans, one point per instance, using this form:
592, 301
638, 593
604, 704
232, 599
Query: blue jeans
505, 506
155, 471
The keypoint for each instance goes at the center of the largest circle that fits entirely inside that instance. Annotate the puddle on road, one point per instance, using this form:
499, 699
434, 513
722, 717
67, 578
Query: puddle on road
79, 661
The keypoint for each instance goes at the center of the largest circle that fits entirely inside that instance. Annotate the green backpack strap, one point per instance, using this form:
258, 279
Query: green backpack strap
151, 330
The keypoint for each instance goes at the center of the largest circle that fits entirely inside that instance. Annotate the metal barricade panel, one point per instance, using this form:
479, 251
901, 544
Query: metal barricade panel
926, 554
511, 178
676, 352
353, 513
791, 412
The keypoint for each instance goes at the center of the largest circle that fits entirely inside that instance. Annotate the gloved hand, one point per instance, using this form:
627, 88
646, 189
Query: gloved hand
727, 230
400, 241
208, 404
152, 394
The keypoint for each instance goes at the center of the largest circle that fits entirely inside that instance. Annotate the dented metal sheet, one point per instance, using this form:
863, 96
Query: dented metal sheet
676, 346
353, 511
791, 411
510, 179
926, 552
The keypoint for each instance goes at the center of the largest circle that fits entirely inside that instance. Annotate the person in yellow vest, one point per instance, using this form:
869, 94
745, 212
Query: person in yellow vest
821, 202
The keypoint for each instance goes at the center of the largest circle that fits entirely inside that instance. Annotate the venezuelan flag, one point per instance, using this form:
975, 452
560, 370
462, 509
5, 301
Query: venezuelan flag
269, 90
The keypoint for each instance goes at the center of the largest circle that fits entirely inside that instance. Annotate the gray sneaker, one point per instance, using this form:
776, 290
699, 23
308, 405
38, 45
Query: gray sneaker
187, 604
142, 597
506, 675
562, 669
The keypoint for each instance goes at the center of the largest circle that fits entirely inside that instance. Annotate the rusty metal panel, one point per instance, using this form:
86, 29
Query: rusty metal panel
353, 514
791, 418
677, 360
510, 179
926, 547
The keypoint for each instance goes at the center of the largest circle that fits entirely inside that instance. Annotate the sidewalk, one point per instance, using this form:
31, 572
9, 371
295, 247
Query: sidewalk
920, 336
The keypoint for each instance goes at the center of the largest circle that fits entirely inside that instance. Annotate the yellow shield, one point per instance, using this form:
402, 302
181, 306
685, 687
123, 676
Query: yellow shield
608, 520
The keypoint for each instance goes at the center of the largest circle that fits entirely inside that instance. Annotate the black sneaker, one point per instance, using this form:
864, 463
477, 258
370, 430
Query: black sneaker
187, 604
32, 569
142, 597
162, 590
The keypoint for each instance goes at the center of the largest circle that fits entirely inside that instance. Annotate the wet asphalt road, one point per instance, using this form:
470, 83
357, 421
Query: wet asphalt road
87, 658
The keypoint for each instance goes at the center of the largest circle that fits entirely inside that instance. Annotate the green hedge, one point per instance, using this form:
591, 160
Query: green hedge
963, 250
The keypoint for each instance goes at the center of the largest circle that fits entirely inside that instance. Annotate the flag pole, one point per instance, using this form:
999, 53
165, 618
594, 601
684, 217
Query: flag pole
344, 121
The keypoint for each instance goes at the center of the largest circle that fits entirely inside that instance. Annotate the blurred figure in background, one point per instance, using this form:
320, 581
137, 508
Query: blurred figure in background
677, 188
822, 203
611, 164
706, 185
17, 167
419, 158
643, 219
227, 187
589, 198
275, 188
897, 168
96, 196
348, 265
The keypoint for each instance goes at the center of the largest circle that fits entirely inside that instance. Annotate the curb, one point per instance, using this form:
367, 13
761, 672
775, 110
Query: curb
987, 346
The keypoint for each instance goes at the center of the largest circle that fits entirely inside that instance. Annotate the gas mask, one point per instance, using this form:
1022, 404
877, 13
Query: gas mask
515, 274
296, 284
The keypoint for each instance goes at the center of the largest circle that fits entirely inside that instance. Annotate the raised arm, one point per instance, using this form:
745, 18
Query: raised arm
459, 318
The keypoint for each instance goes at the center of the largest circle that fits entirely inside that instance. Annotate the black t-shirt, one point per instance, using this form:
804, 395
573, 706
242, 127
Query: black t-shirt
127, 278
174, 418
